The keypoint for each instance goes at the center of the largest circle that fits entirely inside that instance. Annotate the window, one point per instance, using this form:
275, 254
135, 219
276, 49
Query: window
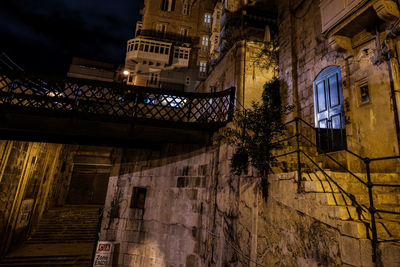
203, 68
167, 5
151, 63
130, 78
364, 93
204, 42
154, 78
138, 198
216, 40
207, 20
161, 28
138, 29
186, 8
184, 32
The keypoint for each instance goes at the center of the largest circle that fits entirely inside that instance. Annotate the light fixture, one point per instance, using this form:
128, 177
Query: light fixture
126, 73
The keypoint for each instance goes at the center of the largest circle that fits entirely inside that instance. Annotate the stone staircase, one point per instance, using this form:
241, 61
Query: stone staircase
64, 237
322, 200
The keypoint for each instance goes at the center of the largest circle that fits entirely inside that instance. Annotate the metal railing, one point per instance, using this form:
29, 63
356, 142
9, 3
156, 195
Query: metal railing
302, 142
114, 101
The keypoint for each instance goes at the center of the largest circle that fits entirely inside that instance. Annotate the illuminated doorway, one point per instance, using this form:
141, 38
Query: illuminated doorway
329, 110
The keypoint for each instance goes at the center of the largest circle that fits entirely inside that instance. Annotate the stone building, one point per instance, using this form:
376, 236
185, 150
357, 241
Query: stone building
171, 46
180, 205
83, 68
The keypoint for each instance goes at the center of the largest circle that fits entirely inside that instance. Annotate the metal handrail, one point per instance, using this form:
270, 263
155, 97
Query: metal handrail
369, 184
114, 101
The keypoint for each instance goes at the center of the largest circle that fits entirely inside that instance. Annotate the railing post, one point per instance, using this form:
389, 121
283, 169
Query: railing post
372, 212
231, 103
98, 230
189, 109
135, 105
298, 155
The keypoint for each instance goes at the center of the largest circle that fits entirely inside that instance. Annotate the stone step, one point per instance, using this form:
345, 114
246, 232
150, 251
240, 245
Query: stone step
387, 230
336, 198
60, 241
391, 194
78, 226
61, 237
71, 260
64, 230
388, 178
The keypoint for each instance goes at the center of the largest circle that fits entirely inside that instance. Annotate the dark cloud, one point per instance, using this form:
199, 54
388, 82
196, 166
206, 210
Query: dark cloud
43, 35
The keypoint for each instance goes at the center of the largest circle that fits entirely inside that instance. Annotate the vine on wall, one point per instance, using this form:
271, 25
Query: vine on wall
253, 132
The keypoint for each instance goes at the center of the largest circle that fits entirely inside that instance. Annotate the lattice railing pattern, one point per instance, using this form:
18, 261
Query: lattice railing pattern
114, 101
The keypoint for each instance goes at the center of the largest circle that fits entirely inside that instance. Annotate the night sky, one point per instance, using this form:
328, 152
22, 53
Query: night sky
42, 36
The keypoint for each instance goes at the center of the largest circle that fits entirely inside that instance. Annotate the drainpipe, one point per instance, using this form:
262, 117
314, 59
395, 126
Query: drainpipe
394, 71
244, 71
295, 89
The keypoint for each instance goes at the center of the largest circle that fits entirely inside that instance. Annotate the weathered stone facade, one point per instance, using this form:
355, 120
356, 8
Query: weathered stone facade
306, 50
35, 177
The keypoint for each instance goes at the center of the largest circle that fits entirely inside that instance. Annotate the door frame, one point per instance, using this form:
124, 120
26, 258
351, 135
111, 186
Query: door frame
329, 139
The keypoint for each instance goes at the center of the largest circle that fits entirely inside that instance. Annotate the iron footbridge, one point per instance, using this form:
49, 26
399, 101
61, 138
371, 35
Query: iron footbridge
37, 108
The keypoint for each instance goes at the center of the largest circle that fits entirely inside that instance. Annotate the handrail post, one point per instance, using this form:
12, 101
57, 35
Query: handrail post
189, 109
372, 212
231, 103
298, 156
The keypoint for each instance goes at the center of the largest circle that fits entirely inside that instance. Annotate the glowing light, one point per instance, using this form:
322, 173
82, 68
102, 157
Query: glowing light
126, 73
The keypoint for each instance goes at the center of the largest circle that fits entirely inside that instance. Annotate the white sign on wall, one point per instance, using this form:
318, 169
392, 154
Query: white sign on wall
103, 254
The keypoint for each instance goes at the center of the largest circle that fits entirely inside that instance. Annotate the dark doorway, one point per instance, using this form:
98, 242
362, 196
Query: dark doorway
329, 110
88, 185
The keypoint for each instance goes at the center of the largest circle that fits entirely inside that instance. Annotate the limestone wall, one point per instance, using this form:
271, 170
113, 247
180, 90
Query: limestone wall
27, 172
196, 213
35, 177
305, 51
245, 67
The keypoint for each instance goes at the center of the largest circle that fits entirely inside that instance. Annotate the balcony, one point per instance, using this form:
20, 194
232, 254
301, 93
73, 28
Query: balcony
139, 48
247, 17
348, 17
333, 11
181, 57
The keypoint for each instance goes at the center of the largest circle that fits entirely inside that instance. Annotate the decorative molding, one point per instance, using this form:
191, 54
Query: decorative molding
341, 44
387, 10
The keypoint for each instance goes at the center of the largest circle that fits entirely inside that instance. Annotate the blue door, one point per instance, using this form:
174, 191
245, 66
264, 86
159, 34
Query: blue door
329, 110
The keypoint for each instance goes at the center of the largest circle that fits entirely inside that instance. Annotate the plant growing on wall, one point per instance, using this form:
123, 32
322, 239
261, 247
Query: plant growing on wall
253, 133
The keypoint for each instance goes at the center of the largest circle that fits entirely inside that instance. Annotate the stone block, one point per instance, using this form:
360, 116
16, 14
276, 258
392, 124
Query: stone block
350, 250
133, 225
191, 193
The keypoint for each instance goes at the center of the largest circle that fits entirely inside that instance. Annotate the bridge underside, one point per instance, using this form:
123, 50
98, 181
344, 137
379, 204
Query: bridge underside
69, 130
99, 113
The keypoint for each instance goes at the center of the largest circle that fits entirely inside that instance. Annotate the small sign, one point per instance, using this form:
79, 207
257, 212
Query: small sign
24, 213
103, 254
